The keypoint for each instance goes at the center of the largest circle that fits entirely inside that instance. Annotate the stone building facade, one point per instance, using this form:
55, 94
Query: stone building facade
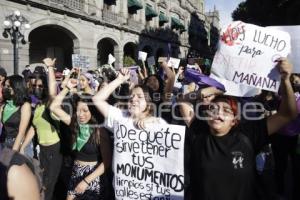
96, 28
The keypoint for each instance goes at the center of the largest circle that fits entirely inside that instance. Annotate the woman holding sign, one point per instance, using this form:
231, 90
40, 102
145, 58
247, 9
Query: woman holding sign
221, 152
126, 124
91, 145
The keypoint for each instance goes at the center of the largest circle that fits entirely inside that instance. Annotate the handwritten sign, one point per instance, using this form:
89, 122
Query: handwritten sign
148, 164
295, 43
80, 61
247, 57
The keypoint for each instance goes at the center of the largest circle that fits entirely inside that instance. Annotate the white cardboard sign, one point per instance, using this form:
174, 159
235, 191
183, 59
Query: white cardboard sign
246, 58
80, 61
148, 164
142, 56
174, 62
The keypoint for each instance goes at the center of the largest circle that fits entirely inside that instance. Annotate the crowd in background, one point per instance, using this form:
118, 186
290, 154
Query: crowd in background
55, 118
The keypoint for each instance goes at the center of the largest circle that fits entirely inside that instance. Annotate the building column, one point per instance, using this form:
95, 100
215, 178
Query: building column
99, 8
88, 51
118, 53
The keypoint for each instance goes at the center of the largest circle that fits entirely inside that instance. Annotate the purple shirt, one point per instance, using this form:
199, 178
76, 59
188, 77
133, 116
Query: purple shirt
293, 128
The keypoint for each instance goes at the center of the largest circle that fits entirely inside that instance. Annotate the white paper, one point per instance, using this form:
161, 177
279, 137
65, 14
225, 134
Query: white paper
142, 56
174, 62
135, 156
246, 56
111, 59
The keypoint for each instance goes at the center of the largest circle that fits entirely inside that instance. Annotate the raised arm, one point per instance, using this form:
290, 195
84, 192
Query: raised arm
169, 82
186, 102
100, 98
24, 122
51, 77
287, 109
55, 106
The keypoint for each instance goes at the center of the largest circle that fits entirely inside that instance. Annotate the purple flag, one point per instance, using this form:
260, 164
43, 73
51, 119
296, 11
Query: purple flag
192, 75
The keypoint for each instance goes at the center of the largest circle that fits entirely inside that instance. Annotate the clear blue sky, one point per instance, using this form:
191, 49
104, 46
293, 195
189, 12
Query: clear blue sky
225, 8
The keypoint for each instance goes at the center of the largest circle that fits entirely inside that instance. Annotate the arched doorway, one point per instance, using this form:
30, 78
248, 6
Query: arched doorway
105, 47
51, 41
130, 54
160, 53
148, 49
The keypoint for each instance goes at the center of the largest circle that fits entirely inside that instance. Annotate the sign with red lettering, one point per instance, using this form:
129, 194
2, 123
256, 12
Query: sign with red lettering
246, 58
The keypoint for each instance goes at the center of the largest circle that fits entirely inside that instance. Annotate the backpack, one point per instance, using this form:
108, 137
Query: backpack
6, 157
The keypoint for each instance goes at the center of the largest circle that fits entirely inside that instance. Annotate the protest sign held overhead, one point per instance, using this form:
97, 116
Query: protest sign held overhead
111, 59
148, 164
142, 56
80, 61
246, 58
174, 62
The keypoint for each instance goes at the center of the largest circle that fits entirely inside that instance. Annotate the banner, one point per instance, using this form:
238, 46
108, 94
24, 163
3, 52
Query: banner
148, 163
80, 61
295, 43
246, 58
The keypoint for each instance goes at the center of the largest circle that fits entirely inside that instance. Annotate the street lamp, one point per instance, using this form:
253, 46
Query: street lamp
14, 24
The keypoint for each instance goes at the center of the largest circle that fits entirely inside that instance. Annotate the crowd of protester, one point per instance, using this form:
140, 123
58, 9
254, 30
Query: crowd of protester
67, 121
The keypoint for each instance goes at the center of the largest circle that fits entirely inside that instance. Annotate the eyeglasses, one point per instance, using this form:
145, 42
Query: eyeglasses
215, 109
37, 86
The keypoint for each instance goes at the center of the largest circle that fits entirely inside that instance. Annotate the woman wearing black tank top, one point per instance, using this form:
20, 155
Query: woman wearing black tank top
15, 112
91, 145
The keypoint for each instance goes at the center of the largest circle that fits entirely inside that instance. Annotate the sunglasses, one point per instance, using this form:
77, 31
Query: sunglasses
37, 86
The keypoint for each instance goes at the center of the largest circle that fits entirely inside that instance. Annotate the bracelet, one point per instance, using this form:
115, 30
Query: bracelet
85, 181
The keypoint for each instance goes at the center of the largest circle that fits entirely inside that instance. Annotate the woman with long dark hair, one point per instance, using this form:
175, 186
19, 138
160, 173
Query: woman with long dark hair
15, 112
91, 145
46, 126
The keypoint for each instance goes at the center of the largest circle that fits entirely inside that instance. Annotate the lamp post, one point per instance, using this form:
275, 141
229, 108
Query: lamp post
14, 25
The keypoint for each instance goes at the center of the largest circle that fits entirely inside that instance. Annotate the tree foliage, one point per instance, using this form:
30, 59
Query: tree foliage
268, 12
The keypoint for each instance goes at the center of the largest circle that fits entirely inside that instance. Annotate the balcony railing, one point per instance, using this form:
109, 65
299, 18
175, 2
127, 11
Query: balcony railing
71, 4
135, 25
111, 17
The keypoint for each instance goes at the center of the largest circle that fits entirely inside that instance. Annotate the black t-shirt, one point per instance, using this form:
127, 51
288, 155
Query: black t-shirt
223, 168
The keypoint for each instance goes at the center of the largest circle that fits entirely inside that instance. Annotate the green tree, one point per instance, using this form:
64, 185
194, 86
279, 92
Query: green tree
268, 12
128, 61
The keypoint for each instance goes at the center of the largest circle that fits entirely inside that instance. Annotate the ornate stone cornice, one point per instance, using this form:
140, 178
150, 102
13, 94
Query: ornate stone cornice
162, 4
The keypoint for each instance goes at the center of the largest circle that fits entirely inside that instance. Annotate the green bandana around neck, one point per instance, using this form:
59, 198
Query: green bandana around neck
9, 109
83, 136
